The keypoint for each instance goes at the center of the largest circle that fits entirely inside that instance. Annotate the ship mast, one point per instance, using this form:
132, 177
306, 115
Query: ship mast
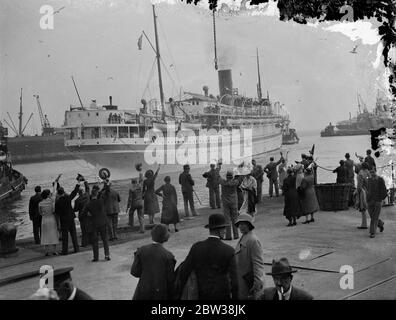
159, 65
20, 116
214, 39
259, 93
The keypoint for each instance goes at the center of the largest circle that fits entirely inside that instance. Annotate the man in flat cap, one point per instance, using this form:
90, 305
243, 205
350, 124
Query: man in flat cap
155, 268
213, 263
212, 184
282, 274
64, 287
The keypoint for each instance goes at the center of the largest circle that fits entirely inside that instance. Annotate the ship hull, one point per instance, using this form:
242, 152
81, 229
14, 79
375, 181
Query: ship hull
38, 149
342, 133
121, 158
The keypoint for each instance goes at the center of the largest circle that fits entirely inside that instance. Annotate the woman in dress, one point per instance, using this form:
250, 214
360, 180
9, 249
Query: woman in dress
249, 188
292, 208
151, 206
49, 226
309, 202
169, 213
361, 193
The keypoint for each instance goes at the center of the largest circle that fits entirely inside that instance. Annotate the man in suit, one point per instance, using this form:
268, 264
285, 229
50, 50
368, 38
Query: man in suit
213, 263
112, 208
376, 193
370, 160
64, 287
187, 184
155, 268
349, 164
213, 185
63, 209
272, 175
282, 275
258, 174
95, 212
34, 214
79, 204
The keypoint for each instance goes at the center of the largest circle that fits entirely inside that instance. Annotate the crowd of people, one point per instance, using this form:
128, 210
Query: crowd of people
205, 272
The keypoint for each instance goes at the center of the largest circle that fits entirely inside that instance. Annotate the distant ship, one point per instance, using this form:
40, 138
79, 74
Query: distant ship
118, 139
364, 121
49, 146
12, 182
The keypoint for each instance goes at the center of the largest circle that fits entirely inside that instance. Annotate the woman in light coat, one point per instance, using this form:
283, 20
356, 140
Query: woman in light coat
49, 226
360, 195
309, 202
249, 260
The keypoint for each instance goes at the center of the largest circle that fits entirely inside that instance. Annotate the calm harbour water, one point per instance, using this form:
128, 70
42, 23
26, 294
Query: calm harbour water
328, 152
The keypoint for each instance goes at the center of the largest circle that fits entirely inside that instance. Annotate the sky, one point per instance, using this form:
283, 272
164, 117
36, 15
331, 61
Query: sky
307, 68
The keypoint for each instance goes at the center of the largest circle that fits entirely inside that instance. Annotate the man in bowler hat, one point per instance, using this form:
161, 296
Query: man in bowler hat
282, 274
213, 263
155, 268
64, 287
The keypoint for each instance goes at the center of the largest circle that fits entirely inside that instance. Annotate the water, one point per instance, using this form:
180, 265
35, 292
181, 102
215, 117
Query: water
328, 152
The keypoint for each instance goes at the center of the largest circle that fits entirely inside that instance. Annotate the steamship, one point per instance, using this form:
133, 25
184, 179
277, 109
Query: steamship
171, 132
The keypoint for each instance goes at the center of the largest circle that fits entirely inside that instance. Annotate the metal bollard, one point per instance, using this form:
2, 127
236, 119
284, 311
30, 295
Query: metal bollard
7, 238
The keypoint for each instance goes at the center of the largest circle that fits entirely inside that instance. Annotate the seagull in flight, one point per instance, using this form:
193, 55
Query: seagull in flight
57, 11
354, 50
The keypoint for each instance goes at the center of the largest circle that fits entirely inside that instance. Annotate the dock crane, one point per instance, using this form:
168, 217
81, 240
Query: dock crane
47, 130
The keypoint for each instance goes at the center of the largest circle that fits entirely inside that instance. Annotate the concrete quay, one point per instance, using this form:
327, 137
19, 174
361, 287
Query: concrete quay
318, 250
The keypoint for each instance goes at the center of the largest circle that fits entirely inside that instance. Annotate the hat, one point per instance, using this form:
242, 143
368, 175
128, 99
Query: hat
62, 274
160, 233
244, 170
280, 267
186, 166
104, 173
217, 221
229, 173
244, 217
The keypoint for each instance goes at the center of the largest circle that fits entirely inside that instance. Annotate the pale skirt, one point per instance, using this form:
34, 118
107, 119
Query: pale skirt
49, 230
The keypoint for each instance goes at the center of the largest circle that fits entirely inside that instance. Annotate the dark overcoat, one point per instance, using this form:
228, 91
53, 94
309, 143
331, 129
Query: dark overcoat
155, 266
214, 264
292, 206
296, 294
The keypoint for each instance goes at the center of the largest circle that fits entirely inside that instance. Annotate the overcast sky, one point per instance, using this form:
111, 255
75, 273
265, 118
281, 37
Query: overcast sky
308, 69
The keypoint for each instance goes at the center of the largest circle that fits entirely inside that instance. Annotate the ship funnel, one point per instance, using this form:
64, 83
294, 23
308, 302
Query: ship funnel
206, 90
111, 100
225, 82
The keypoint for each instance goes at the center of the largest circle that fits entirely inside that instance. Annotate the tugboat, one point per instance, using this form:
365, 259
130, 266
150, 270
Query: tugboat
289, 135
12, 182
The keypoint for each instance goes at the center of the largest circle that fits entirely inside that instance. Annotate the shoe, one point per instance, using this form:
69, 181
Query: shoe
381, 228
176, 230
294, 223
372, 235
95, 260
312, 220
64, 253
289, 225
218, 207
362, 228
55, 253
306, 222
47, 254
107, 258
